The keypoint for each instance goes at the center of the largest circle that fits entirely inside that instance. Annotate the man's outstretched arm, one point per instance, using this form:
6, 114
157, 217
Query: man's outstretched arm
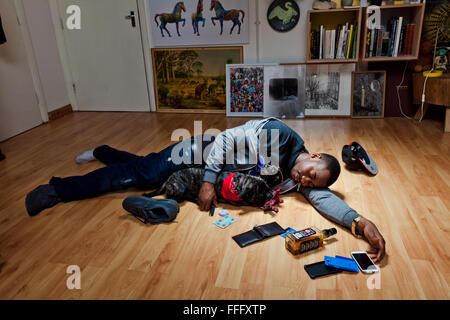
334, 208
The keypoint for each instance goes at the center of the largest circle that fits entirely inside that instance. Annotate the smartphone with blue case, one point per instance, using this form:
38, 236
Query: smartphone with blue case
342, 263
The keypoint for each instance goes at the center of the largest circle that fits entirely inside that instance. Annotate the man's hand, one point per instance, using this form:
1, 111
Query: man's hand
207, 197
374, 237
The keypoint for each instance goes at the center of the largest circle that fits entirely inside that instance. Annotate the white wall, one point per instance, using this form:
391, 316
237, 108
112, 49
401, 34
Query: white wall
282, 47
46, 53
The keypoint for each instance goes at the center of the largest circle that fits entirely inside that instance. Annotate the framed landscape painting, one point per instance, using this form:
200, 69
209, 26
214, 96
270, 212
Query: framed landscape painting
192, 79
368, 94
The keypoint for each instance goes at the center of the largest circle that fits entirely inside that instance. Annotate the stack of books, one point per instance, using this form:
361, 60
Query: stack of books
392, 40
339, 43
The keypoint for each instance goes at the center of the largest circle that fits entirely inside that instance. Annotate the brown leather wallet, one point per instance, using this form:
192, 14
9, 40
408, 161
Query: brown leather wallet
258, 233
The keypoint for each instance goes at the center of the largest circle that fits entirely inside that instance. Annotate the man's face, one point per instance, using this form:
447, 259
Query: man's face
310, 171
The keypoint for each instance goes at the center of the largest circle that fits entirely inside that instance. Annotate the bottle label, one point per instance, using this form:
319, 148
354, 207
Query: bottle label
309, 245
304, 233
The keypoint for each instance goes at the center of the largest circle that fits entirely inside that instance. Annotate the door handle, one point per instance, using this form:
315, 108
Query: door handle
132, 17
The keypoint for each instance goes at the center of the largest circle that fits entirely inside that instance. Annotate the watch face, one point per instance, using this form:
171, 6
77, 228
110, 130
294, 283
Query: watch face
283, 15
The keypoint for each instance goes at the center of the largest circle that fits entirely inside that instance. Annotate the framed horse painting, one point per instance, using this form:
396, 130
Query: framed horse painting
198, 22
192, 80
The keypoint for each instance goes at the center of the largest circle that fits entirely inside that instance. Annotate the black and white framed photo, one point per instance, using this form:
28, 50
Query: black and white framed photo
328, 89
245, 90
368, 94
284, 91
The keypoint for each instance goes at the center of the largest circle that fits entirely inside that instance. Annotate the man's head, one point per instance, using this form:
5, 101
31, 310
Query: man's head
316, 170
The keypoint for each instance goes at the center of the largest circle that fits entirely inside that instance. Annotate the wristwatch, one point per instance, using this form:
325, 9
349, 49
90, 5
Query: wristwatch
354, 224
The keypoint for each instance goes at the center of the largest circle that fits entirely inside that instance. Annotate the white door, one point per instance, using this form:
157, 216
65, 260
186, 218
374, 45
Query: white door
19, 109
105, 56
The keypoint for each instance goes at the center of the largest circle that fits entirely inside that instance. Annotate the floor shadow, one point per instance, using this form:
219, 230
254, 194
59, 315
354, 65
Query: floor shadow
362, 172
384, 262
2, 265
132, 218
339, 195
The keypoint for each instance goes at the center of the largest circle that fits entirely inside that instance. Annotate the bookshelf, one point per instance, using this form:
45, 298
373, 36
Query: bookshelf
333, 19
412, 14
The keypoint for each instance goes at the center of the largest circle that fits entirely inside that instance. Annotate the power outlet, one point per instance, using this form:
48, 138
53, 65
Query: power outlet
402, 87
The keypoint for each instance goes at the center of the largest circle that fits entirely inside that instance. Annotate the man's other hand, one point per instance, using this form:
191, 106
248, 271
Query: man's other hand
207, 196
377, 244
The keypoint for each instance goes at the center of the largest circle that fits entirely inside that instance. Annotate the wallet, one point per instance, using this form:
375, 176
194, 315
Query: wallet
258, 233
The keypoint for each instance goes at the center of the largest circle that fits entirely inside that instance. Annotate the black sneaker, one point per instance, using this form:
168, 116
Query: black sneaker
148, 210
41, 198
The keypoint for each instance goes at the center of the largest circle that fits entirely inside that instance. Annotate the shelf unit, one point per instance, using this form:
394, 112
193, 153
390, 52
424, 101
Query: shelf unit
330, 19
411, 13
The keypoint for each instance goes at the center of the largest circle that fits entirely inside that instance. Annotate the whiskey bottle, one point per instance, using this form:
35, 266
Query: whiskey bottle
307, 239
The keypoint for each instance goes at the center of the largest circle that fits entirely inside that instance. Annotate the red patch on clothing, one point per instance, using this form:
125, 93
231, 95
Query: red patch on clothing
229, 190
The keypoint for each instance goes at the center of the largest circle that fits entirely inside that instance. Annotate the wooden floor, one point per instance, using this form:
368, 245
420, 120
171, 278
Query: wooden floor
120, 258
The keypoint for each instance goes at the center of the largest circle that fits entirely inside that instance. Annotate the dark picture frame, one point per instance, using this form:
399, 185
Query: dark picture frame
368, 94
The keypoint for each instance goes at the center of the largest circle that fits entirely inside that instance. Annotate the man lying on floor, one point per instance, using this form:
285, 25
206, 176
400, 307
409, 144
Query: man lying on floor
235, 150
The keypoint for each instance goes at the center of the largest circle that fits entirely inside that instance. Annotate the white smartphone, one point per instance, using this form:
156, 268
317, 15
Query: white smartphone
364, 262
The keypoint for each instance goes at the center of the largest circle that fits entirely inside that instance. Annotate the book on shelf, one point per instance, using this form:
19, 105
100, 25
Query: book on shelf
385, 43
338, 35
410, 32
376, 42
338, 43
327, 44
397, 36
349, 41
321, 43
379, 44
344, 44
372, 39
332, 44
355, 42
391, 40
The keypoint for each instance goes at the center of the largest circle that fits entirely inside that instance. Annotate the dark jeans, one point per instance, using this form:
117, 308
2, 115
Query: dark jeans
124, 170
